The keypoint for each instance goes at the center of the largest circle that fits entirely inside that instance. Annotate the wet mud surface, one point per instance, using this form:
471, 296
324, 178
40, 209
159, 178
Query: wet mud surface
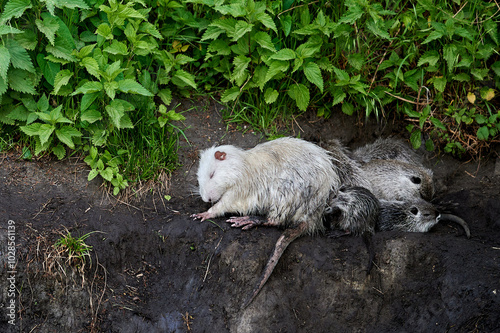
155, 269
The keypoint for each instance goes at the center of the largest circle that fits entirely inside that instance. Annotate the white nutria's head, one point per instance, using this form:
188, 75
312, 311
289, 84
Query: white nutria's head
220, 168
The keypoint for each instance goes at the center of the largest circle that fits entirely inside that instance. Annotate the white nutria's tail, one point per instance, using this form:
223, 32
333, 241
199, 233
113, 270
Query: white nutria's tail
288, 236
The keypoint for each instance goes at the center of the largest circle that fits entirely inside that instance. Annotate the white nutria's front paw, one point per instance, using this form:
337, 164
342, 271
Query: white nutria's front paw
202, 216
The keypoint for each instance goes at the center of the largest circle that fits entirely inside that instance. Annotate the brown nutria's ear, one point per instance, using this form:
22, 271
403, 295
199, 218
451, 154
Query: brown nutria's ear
220, 155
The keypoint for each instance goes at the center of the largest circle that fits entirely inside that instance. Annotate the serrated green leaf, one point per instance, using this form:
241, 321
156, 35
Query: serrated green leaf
356, 60
450, 54
283, 55
19, 113
166, 96
104, 30
88, 88
59, 151
275, 67
465, 33
115, 113
87, 100
48, 27
271, 95
19, 57
212, 32
480, 119
348, 108
341, 74
117, 47
182, 59
62, 79
483, 133
338, 96
297, 63
374, 27
43, 103
125, 122
220, 46
44, 132
439, 83
110, 88
300, 94
91, 66
259, 76
4, 62
461, 77
264, 40
429, 57
31, 129
433, 36
22, 81
85, 51
65, 134
150, 29
91, 116
49, 69
240, 66
313, 74
39, 147
416, 139
174, 116
480, 73
267, 21
6, 30
184, 78
51, 4
132, 87
286, 24
230, 94
14, 8
354, 13
240, 29
107, 174
3, 87
437, 123
61, 50
122, 105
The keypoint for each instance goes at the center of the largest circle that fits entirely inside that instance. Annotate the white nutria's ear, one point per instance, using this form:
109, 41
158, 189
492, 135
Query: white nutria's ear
220, 155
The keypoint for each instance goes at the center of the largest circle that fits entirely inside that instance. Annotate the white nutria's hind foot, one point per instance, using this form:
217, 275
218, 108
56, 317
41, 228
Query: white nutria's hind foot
248, 222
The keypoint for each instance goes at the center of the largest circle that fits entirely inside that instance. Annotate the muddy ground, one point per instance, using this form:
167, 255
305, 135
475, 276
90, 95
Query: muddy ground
154, 269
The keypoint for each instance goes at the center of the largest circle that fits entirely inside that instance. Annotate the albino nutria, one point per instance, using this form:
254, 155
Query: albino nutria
289, 180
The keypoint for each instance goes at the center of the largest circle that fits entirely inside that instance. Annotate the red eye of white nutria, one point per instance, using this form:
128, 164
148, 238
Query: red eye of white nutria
212, 174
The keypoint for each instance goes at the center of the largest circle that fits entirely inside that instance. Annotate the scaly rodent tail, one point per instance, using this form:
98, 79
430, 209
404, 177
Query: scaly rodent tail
288, 236
368, 240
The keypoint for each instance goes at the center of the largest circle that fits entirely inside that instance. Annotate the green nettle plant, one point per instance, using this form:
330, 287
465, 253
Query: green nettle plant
69, 72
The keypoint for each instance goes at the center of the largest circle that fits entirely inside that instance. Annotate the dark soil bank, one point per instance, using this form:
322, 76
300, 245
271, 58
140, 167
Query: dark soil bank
154, 269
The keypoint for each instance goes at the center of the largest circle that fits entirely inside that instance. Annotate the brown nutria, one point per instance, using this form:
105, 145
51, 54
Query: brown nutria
387, 149
396, 180
415, 216
349, 170
289, 180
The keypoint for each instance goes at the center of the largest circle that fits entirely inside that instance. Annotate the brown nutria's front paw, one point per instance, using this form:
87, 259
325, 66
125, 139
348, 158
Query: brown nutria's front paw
244, 222
202, 216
